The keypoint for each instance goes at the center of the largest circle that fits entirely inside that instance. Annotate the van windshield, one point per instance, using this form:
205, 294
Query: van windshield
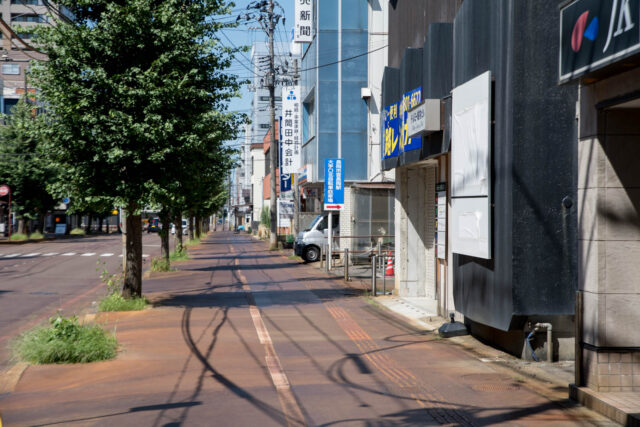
314, 222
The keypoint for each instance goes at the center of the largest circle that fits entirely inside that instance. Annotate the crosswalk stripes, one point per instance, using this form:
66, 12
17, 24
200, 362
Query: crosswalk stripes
66, 254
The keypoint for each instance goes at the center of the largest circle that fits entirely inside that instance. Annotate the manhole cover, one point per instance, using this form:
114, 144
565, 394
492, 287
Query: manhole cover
495, 387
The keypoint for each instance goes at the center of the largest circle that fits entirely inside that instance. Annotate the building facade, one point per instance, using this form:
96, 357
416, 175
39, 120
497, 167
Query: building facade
341, 98
485, 216
17, 48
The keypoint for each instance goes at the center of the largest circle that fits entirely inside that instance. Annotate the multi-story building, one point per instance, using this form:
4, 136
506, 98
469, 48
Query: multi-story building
260, 116
340, 96
17, 47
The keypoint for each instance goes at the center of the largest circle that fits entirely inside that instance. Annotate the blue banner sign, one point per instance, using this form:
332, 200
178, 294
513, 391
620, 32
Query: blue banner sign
390, 131
333, 184
409, 100
285, 182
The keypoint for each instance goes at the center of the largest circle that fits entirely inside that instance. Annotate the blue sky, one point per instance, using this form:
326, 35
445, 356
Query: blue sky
247, 34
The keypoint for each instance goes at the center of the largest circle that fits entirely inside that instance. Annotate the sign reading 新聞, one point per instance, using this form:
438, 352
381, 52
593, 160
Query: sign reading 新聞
333, 184
595, 33
303, 21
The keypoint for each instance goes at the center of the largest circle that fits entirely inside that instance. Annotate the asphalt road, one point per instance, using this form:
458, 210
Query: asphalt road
37, 279
242, 336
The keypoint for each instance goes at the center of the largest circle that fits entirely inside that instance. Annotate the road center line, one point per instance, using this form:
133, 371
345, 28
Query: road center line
69, 254
89, 254
108, 254
288, 402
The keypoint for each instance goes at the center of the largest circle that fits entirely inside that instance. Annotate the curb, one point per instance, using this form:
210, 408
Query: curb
608, 407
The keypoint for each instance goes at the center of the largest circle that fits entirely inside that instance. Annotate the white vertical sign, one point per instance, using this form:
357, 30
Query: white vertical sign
303, 23
291, 144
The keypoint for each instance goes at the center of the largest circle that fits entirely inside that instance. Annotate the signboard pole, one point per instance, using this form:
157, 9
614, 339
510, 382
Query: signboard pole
330, 246
10, 221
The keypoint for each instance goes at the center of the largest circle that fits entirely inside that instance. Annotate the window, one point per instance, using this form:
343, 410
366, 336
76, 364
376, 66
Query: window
278, 98
264, 126
24, 17
11, 69
264, 98
308, 120
30, 2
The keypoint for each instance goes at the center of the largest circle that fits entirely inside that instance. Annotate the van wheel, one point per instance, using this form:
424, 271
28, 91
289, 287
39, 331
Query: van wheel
312, 254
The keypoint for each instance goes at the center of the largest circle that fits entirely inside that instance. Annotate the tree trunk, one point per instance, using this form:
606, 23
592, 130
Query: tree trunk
191, 236
164, 235
179, 232
133, 269
21, 225
100, 223
41, 219
87, 228
198, 227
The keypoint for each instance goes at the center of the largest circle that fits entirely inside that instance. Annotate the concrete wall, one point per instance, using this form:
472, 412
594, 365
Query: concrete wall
415, 230
609, 232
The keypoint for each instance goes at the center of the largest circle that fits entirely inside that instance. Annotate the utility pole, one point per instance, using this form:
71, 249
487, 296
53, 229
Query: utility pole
228, 208
294, 183
273, 146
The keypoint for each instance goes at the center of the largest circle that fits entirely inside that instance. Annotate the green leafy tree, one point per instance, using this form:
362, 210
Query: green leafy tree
119, 82
23, 164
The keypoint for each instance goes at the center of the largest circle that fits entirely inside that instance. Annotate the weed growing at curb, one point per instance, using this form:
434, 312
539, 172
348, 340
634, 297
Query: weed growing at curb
18, 237
65, 340
114, 301
192, 242
77, 232
36, 236
160, 265
179, 255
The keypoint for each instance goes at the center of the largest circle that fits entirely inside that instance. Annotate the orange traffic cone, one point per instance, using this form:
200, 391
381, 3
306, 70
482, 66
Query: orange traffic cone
389, 270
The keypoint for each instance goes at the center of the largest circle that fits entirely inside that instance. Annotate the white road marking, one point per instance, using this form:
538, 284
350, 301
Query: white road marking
11, 255
106, 255
69, 254
33, 254
156, 246
120, 256
145, 256
89, 254
51, 254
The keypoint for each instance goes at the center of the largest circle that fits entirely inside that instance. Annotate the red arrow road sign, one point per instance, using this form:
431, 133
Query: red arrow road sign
333, 207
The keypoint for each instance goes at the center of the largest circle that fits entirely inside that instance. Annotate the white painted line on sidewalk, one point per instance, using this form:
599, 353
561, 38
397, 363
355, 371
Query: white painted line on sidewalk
145, 256
11, 255
69, 254
51, 254
106, 255
33, 254
120, 256
89, 254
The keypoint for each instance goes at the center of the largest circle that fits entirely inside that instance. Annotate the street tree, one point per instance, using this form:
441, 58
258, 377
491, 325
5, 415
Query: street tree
23, 164
119, 81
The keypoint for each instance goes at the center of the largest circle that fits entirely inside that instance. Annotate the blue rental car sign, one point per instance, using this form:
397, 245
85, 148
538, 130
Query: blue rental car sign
333, 184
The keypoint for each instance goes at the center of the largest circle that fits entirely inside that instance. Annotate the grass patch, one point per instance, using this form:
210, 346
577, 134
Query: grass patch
36, 236
65, 340
179, 255
192, 242
18, 237
160, 265
77, 232
295, 258
116, 302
